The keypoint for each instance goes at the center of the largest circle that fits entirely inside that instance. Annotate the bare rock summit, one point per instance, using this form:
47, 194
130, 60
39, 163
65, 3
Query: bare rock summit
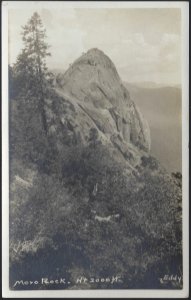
91, 94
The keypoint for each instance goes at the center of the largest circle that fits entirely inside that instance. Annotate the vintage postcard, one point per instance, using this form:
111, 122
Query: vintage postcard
95, 149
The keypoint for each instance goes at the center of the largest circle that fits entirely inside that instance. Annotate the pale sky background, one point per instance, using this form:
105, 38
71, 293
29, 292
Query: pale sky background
144, 44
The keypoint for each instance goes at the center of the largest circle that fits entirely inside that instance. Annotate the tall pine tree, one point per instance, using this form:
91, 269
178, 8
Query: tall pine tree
29, 87
30, 68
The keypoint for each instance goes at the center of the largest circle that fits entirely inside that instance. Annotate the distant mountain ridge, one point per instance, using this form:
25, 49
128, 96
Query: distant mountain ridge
161, 106
151, 85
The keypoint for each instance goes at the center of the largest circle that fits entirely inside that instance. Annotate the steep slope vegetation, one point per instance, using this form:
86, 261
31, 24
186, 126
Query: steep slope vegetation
89, 199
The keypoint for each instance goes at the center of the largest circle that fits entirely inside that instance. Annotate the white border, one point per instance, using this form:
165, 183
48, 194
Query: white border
184, 293
95, 4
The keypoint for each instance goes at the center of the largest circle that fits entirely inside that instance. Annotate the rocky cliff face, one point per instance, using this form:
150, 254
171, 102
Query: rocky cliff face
92, 95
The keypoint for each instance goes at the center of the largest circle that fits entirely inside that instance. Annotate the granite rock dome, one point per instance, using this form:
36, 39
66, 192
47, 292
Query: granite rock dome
92, 95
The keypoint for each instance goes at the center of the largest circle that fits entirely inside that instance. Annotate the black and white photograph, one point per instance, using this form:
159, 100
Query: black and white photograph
96, 196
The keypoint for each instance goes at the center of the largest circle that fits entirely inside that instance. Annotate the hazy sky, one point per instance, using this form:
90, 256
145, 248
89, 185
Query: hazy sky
144, 44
